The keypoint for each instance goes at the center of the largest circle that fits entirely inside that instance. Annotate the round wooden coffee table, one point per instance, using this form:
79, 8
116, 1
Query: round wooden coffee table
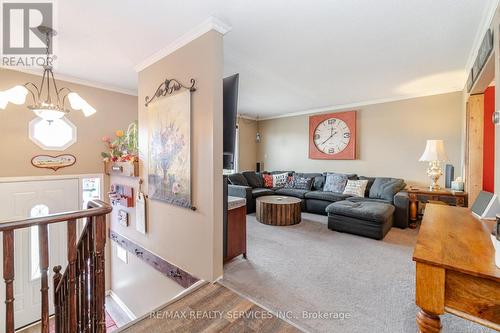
278, 210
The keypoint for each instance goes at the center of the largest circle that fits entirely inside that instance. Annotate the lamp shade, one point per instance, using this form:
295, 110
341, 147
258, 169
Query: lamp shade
16, 95
79, 103
434, 151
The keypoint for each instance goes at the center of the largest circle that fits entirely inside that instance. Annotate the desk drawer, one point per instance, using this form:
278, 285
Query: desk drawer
474, 296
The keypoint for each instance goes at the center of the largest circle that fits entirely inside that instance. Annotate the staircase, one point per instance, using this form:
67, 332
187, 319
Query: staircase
79, 291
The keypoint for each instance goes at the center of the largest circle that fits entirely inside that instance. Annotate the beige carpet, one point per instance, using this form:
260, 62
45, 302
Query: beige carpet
307, 267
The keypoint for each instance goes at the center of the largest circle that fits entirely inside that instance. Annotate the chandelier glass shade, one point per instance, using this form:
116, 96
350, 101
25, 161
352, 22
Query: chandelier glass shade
49, 101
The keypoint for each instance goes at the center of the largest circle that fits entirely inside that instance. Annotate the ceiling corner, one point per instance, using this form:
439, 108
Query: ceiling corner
212, 23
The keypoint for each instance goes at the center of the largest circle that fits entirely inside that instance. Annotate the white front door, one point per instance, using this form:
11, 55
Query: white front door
35, 198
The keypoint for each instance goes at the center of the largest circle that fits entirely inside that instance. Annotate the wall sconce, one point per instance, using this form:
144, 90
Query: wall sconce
496, 117
257, 137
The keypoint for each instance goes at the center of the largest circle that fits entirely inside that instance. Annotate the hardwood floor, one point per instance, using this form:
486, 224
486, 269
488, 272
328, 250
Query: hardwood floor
212, 308
115, 317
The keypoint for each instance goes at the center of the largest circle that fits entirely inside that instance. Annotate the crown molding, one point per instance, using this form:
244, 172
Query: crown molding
72, 79
485, 24
212, 23
360, 104
244, 116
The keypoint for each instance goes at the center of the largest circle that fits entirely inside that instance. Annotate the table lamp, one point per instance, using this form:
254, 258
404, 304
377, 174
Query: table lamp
434, 154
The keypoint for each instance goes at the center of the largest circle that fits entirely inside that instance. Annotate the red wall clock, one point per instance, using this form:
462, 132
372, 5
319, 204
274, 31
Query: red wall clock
332, 136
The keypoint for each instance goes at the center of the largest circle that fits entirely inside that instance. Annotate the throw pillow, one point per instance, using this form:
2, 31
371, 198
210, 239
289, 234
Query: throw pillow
290, 182
267, 180
319, 182
335, 182
303, 183
356, 188
279, 180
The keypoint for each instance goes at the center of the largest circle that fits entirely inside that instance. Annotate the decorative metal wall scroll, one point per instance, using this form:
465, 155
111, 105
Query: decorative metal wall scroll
168, 87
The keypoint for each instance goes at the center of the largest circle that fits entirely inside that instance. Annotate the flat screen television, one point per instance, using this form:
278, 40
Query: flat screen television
230, 106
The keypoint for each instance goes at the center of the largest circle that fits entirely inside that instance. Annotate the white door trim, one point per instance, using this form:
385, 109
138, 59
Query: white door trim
59, 177
31, 178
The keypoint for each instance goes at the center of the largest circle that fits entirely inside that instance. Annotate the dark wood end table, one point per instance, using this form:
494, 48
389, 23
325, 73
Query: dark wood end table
450, 197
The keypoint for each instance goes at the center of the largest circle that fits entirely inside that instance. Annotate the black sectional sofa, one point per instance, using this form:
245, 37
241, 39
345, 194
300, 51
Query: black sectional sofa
383, 197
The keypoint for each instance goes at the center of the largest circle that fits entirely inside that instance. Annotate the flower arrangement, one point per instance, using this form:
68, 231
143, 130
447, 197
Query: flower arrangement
166, 145
124, 148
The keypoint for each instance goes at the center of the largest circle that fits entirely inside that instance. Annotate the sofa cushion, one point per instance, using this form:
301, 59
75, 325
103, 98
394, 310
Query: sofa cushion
326, 196
369, 185
260, 192
238, 179
292, 192
254, 179
359, 199
386, 188
363, 210
303, 183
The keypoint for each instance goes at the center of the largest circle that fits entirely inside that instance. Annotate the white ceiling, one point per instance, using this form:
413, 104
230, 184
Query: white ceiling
291, 55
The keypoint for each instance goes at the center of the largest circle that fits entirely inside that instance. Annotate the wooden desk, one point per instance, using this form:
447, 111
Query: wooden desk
450, 197
455, 269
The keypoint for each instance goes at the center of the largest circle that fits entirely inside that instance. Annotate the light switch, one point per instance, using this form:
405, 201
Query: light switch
122, 254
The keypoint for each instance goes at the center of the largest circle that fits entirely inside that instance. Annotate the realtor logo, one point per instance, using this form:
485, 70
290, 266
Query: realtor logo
24, 43
20, 27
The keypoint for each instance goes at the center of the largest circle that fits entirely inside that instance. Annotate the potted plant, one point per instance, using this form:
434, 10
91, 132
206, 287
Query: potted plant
122, 152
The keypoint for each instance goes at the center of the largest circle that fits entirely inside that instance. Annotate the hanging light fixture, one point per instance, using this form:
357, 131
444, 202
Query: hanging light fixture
49, 102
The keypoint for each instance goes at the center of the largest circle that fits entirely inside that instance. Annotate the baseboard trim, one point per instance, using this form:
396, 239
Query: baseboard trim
180, 295
121, 304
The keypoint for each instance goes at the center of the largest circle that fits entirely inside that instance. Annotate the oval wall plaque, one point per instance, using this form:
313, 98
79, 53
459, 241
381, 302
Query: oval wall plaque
53, 162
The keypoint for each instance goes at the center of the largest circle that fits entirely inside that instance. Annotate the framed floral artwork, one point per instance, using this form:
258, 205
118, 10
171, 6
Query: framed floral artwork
169, 163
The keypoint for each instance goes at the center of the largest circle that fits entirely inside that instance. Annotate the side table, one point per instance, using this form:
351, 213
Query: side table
450, 197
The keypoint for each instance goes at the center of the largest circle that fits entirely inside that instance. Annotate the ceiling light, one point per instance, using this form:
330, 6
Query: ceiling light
79, 103
49, 102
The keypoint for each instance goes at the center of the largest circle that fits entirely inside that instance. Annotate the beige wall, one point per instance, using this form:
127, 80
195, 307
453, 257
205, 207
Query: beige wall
247, 147
114, 111
189, 239
391, 139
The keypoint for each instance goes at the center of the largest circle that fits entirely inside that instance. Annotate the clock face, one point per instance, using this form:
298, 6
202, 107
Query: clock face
332, 136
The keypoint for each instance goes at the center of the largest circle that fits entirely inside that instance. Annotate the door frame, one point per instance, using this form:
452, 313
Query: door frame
80, 178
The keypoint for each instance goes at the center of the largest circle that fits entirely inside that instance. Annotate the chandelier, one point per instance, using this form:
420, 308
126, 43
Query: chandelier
49, 101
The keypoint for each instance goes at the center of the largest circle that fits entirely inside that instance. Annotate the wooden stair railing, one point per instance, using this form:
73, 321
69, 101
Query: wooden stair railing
79, 292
